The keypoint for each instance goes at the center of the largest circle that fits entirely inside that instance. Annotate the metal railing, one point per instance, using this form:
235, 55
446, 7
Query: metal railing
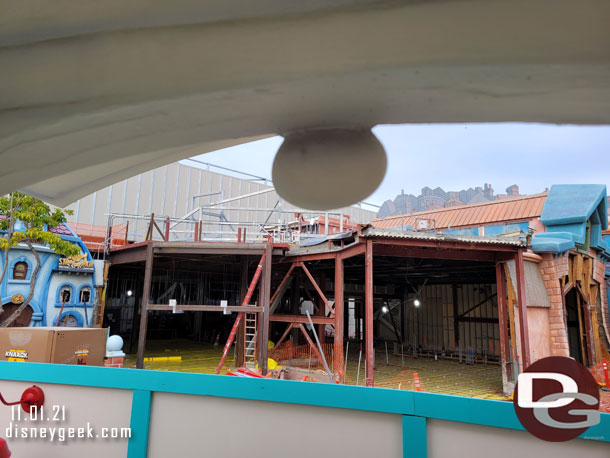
213, 222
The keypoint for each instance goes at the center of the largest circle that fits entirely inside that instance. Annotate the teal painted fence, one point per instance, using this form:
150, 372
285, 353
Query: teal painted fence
415, 407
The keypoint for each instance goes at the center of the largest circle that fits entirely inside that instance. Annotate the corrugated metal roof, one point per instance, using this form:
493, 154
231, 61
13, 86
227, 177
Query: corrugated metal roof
496, 211
388, 233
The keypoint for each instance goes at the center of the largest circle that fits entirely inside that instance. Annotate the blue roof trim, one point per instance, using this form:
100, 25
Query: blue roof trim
551, 245
569, 204
567, 211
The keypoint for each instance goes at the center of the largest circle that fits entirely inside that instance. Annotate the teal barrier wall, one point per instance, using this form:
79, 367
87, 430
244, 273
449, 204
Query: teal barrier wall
416, 407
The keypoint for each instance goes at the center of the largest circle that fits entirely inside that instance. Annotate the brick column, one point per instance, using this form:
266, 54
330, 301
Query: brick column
552, 269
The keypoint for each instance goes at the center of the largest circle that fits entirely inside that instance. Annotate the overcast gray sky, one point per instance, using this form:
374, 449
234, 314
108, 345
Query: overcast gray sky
454, 156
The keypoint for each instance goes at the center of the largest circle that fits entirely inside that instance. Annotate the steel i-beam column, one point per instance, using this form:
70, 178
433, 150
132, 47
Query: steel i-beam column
339, 317
368, 313
150, 252
265, 300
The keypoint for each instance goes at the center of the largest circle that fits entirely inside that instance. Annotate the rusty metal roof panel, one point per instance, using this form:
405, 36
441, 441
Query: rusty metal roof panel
497, 211
372, 232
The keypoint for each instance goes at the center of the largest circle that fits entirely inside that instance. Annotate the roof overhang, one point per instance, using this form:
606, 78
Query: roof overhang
95, 92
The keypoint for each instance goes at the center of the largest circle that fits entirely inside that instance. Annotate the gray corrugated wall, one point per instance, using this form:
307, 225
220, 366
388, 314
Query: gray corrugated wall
168, 191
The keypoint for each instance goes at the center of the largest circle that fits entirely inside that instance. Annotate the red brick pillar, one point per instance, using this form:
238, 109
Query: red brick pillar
552, 269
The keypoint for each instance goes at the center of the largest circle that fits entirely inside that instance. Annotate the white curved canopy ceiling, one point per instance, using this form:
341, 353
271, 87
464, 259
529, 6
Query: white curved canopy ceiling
92, 92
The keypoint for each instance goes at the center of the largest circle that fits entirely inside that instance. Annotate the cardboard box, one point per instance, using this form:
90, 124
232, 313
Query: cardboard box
59, 345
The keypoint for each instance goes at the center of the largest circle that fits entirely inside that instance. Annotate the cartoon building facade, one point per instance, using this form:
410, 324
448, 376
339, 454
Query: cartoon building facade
61, 281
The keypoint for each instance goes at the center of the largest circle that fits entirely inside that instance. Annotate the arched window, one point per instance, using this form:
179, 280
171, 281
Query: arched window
85, 295
65, 294
69, 321
20, 271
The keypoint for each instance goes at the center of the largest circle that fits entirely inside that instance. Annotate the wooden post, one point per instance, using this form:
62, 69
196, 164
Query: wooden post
144, 308
264, 316
503, 324
339, 316
368, 314
240, 349
522, 304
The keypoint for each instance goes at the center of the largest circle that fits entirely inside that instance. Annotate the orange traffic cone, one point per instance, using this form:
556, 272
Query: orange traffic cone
416, 381
338, 378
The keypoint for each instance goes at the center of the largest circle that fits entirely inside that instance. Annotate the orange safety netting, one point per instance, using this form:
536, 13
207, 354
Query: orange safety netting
302, 355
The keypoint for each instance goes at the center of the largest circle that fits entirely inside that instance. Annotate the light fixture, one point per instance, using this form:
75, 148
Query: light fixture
129, 293
416, 303
385, 309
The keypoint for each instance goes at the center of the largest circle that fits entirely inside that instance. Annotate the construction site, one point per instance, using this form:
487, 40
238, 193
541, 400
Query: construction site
456, 300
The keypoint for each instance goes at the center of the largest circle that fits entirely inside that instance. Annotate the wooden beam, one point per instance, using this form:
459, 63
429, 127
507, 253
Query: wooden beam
150, 253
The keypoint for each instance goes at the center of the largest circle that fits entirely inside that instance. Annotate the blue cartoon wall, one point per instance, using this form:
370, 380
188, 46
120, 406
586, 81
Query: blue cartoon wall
74, 279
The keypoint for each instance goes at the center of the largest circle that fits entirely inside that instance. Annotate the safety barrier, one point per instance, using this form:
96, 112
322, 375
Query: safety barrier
192, 414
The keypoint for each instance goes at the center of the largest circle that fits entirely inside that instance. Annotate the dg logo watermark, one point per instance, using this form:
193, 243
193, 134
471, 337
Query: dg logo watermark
557, 399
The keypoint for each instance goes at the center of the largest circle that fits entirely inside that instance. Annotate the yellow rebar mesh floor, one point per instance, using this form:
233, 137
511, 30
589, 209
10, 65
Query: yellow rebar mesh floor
195, 357
442, 376
436, 376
